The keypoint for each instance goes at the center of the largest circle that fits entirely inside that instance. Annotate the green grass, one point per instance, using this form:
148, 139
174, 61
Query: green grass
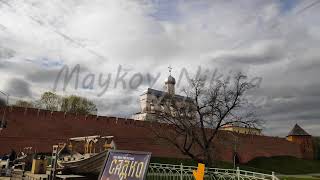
187, 162
280, 165
218, 164
286, 165
162, 160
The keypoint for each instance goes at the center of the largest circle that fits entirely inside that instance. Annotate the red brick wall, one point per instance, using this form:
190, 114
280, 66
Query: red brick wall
41, 129
251, 146
306, 145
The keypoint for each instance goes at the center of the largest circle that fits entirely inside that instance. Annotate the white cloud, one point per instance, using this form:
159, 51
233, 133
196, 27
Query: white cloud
261, 38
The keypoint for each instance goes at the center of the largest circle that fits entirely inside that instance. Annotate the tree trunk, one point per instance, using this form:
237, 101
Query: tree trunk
208, 158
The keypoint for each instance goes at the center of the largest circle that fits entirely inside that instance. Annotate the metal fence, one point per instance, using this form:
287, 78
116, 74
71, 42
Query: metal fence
180, 172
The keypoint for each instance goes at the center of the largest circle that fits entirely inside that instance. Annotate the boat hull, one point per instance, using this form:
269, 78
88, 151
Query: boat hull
92, 165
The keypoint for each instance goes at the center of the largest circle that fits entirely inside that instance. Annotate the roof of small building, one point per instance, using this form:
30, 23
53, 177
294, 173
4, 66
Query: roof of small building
240, 126
158, 93
298, 131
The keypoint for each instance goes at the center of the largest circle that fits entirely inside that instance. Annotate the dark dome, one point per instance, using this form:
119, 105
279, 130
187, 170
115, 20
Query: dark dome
171, 80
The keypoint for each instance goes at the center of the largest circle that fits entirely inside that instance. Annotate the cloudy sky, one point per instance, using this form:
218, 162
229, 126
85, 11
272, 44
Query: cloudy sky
277, 41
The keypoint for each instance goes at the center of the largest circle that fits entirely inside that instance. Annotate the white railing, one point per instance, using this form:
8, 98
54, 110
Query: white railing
158, 171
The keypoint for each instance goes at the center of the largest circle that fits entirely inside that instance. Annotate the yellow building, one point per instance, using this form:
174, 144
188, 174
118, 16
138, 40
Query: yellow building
242, 130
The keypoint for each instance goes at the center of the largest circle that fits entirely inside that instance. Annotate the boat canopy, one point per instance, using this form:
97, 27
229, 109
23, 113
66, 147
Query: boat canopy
90, 138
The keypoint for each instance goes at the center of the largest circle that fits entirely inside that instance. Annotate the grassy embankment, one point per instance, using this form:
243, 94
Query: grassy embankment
280, 165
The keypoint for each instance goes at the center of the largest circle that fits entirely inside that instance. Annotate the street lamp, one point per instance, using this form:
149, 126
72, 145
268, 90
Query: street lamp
235, 148
7, 95
2, 123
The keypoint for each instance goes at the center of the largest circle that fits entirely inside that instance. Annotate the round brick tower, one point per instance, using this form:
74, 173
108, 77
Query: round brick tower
301, 137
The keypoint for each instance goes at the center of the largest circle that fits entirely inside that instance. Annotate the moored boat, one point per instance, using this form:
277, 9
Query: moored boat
89, 162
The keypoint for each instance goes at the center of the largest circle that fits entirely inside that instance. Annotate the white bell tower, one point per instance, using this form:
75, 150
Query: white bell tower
170, 83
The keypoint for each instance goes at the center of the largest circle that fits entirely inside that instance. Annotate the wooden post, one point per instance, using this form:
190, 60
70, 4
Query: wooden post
90, 147
54, 158
273, 176
70, 146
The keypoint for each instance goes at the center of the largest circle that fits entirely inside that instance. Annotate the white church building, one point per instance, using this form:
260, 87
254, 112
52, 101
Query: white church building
151, 101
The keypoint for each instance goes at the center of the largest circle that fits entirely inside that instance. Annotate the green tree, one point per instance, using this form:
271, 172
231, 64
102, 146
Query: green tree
25, 104
77, 104
50, 101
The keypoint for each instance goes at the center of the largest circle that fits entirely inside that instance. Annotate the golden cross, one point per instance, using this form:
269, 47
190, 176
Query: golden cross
170, 69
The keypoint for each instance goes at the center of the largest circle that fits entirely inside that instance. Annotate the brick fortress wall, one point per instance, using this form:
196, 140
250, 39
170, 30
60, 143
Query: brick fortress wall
41, 129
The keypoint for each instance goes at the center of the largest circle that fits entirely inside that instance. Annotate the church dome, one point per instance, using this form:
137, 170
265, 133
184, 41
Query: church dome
170, 80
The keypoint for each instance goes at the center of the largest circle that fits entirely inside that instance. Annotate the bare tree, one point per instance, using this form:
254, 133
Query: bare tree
78, 104
73, 104
49, 101
193, 124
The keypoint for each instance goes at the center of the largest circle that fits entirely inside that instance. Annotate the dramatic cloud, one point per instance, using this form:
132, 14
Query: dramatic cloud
18, 88
275, 40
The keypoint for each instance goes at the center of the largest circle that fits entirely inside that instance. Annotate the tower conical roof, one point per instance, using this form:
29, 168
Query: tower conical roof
298, 131
170, 80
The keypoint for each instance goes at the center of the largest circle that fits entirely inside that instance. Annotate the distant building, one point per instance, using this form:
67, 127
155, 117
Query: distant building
242, 129
304, 139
